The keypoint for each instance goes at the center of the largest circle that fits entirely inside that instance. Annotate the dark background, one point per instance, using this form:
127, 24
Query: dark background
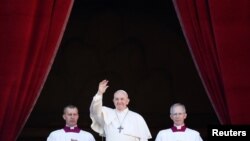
138, 46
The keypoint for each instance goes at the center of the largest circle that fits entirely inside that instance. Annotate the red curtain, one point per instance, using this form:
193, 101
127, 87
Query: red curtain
30, 34
217, 33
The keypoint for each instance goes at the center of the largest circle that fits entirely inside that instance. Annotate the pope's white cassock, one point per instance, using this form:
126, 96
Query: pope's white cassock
187, 135
61, 135
106, 122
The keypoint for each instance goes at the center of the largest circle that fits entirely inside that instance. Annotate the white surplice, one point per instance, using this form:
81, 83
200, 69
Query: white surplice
61, 135
106, 122
187, 135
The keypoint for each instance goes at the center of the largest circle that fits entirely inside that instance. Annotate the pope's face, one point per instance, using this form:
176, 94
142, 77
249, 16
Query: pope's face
120, 100
71, 116
178, 115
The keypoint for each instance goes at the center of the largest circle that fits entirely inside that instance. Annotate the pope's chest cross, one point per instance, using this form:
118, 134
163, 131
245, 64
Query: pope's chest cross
120, 129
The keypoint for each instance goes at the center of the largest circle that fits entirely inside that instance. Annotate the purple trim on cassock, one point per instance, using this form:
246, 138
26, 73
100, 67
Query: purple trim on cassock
71, 129
182, 129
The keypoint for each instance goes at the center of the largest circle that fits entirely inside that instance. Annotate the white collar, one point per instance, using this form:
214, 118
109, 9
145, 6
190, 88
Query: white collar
122, 112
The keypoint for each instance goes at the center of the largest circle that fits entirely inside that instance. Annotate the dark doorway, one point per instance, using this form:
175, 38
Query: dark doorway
139, 47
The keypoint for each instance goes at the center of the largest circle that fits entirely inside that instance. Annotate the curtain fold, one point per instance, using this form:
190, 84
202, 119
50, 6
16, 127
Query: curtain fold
31, 32
217, 34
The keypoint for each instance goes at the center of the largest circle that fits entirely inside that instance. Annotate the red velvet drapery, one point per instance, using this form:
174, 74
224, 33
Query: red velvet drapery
217, 33
30, 34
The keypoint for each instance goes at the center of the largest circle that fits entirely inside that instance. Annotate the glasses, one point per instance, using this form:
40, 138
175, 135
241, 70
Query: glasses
177, 114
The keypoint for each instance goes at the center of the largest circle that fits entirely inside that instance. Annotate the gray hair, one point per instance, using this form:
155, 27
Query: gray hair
176, 105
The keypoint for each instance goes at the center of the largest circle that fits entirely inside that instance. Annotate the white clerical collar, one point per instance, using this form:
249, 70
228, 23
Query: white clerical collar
179, 126
71, 127
74, 129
